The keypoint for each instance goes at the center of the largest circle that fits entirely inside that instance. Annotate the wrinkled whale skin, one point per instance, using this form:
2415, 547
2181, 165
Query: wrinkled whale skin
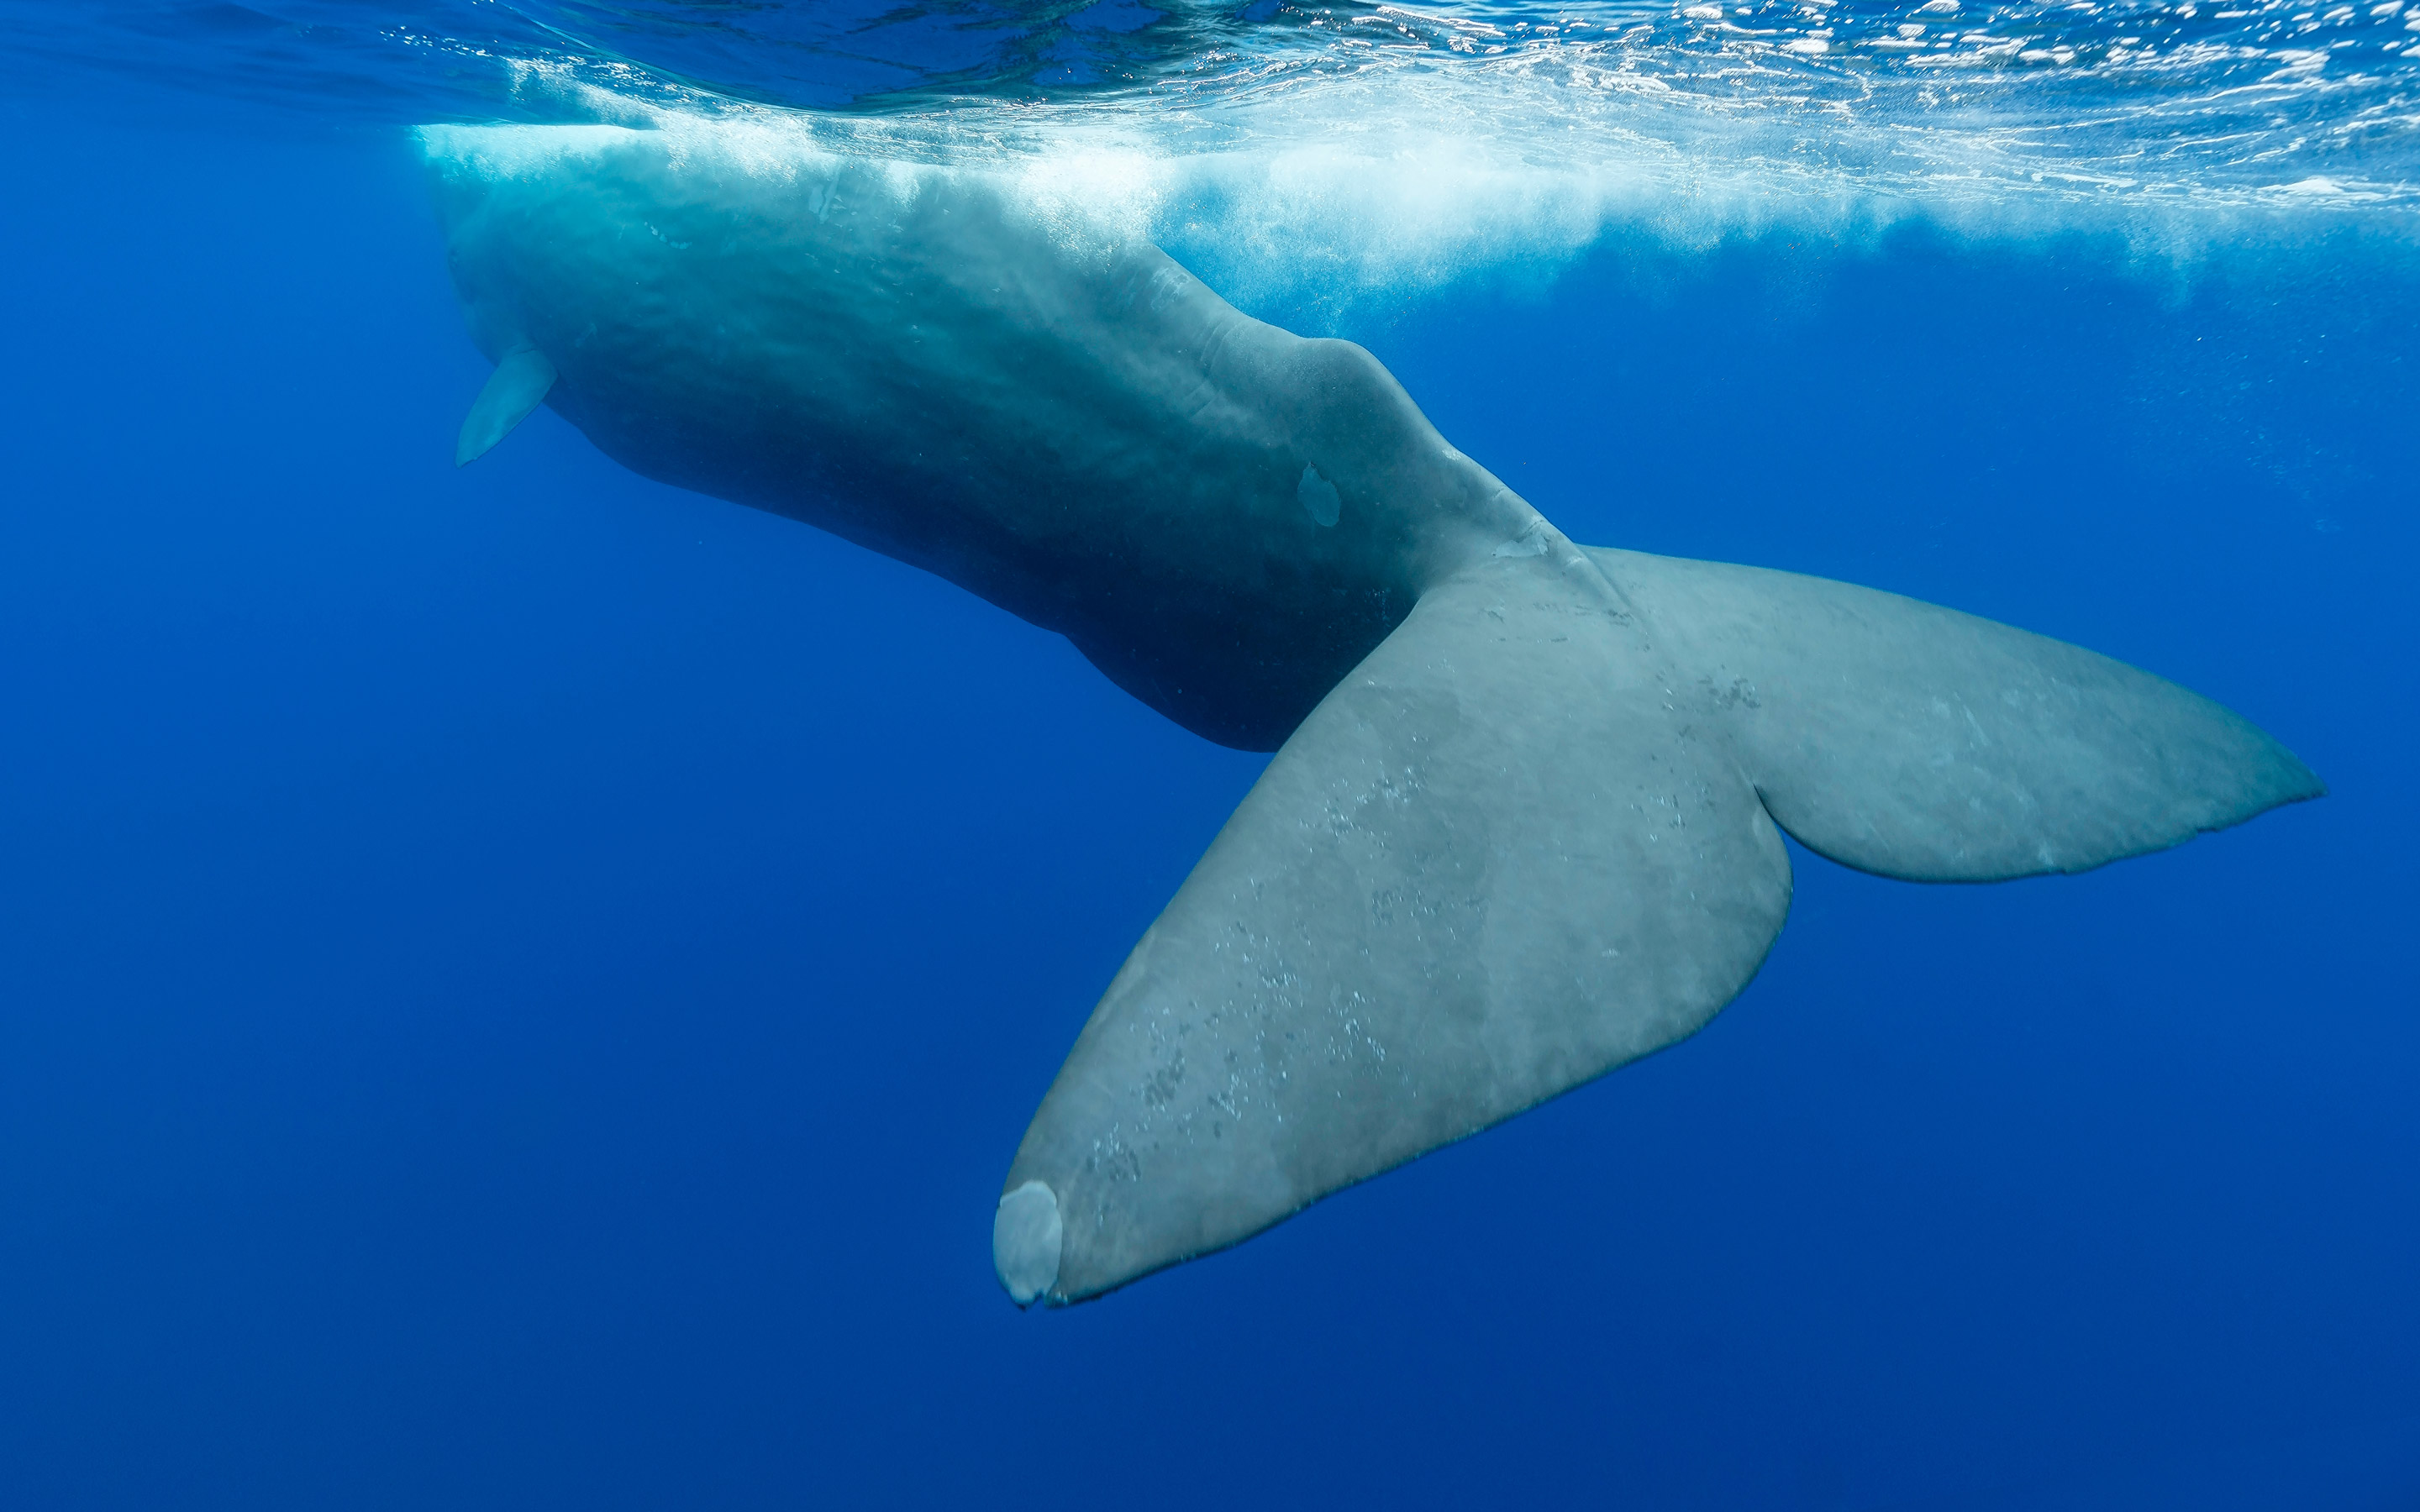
1050, 414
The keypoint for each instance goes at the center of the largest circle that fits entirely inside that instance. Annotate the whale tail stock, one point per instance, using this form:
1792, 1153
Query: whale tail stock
1536, 835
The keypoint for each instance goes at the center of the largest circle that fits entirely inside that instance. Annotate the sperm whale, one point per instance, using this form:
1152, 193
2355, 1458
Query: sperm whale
1524, 821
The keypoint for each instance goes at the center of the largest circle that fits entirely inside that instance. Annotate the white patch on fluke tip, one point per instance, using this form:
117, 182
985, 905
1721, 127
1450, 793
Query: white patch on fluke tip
1025, 1239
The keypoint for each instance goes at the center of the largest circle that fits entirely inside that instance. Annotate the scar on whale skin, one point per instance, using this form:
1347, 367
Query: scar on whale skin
1319, 498
1524, 821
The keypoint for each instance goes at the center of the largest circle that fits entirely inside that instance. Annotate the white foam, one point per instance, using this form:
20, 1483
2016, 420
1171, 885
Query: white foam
1479, 154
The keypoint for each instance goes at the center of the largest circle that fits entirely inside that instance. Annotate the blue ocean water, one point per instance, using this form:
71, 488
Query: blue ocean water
518, 985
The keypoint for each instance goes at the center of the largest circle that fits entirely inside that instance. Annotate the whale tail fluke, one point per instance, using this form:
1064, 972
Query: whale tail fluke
1532, 836
1491, 865
519, 385
1919, 742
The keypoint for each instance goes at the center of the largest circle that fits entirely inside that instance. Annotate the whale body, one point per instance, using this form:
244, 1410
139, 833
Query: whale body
1524, 822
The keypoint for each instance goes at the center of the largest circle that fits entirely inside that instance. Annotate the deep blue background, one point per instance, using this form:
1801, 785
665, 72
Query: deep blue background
518, 986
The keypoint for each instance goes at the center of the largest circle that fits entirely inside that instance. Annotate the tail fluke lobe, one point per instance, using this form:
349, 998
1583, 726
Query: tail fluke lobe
1913, 741
1490, 866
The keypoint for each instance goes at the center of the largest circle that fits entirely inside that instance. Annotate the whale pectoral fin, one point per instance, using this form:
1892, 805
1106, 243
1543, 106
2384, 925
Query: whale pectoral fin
1491, 865
518, 386
1917, 742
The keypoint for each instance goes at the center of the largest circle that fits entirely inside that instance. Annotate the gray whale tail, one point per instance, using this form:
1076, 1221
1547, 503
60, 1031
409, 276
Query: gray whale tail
1536, 835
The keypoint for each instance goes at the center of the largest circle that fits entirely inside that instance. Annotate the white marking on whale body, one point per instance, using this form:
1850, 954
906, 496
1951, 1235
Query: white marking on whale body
1025, 1242
1530, 543
1319, 498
